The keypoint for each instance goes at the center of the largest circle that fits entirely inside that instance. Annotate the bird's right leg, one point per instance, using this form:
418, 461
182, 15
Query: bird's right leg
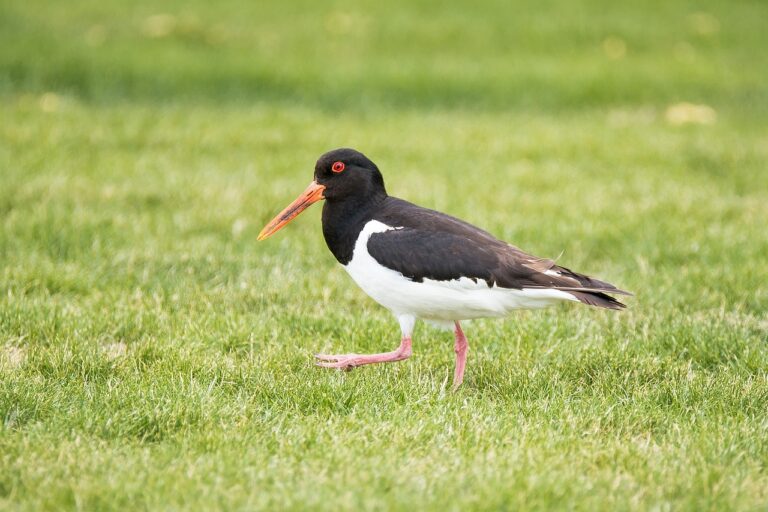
460, 347
349, 361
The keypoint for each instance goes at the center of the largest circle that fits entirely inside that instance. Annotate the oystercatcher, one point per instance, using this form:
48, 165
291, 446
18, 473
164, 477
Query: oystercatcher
420, 263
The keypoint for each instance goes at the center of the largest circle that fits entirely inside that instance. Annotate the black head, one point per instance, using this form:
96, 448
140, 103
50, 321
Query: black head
345, 178
348, 174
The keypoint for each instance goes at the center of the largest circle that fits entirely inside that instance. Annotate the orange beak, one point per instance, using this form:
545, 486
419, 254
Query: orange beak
312, 194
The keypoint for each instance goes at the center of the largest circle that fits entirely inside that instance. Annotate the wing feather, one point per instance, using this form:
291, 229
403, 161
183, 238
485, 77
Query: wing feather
431, 245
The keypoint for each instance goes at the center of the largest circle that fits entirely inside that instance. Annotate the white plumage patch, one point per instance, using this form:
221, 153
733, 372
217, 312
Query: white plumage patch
441, 301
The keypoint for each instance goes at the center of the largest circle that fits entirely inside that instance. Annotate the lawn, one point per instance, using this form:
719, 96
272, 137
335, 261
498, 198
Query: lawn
154, 356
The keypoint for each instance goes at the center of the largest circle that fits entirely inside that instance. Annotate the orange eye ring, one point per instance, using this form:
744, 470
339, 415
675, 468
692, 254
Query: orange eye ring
337, 166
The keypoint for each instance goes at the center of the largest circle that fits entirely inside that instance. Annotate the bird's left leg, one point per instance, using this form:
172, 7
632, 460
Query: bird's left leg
349, 361
460, 348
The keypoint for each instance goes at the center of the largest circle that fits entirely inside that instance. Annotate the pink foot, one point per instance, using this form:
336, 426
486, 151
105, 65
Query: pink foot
349, 361
460, 348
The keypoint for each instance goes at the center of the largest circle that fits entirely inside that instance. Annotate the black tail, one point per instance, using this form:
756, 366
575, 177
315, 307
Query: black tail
590, 283
598, 299
593, 291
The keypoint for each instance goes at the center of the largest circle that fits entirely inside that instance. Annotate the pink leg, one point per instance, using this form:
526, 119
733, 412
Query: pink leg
460, 348
349, 361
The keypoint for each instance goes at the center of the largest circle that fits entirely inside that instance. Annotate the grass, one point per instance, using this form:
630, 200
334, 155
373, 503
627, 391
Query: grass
154, 356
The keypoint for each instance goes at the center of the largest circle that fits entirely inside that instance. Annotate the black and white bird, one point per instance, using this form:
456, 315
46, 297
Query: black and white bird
423, 264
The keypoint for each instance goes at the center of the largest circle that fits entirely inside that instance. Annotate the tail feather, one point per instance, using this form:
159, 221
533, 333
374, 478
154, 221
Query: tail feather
598, 299
590, 283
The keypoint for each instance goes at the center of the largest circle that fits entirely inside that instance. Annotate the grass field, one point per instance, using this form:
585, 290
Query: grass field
154, 356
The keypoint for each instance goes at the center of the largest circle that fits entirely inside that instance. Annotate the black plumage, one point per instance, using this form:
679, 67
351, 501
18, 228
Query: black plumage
408, 259
427, 244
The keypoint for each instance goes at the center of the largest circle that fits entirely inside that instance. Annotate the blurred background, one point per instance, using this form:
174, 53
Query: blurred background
631, 135
143, 145
345, 56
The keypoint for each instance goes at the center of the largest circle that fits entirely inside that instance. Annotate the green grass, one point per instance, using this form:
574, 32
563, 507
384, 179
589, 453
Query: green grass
154, 356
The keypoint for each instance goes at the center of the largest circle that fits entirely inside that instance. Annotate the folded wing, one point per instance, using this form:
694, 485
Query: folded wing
457, 252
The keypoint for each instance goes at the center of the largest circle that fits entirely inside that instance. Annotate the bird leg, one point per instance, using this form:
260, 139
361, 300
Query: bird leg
349, 361
460, 347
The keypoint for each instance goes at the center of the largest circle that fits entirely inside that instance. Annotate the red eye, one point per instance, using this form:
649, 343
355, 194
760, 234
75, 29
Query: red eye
337, 166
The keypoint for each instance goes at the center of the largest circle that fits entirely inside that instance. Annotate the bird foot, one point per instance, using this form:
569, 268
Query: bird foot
342, 361
349, 361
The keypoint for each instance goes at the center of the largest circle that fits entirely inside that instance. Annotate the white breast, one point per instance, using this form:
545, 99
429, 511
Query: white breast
458, 299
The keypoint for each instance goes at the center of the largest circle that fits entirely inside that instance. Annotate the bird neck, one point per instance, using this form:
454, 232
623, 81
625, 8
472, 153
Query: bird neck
344, 219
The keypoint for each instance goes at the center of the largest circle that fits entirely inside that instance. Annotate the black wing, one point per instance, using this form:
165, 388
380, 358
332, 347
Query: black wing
432, 245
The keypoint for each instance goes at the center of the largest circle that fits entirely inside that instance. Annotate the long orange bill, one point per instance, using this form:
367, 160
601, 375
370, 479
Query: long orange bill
312, 194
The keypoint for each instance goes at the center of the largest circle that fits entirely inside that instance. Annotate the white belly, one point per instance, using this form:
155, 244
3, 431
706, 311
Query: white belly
459, 299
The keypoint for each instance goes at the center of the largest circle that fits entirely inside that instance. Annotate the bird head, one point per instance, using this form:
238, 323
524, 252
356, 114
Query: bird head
340, 175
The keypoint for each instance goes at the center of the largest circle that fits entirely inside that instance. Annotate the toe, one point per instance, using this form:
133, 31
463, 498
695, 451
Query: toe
344, 364
334, 357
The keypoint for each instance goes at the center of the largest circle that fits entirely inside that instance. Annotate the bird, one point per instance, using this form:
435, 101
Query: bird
422, 264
